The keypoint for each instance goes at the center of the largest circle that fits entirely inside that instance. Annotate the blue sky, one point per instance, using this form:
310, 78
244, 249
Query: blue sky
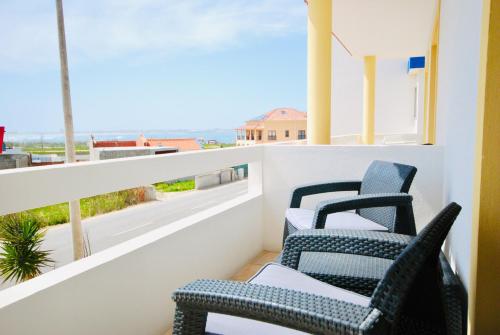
152, 64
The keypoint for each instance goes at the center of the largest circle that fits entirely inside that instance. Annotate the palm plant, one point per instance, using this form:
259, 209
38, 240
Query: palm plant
21, 237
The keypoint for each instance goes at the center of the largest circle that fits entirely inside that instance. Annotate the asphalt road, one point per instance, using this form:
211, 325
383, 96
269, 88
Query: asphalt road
107, 230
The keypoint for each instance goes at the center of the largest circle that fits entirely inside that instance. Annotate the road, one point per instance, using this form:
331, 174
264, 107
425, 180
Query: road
107, 230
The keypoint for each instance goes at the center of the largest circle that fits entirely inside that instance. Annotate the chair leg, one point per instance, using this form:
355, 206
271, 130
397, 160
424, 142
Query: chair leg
285, 232
288, 230
189, 322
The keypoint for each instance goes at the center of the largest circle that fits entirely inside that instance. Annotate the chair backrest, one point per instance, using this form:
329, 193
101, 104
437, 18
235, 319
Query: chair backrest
387, 177
411, 284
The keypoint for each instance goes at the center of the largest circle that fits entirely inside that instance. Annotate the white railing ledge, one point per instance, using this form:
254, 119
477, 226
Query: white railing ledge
29, 188
52, 278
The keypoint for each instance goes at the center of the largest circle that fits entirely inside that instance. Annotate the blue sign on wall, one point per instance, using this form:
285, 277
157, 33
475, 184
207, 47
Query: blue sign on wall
416, 63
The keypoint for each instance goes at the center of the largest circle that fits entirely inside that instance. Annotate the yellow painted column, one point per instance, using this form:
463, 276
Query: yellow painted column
370, 75
426, 98
431, 67
484, 290
319, 71
431, 126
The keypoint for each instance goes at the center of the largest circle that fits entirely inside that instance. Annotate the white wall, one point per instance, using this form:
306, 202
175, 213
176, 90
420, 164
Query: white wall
456, 116
347, 98
285, 167
394, 95
394, 101
127, 289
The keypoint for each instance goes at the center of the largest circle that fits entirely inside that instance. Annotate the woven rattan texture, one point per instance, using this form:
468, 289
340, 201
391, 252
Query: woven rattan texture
288, 308
355, 273
394, 288
385, 177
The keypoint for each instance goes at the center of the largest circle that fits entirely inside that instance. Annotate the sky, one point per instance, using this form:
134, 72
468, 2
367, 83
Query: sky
151, 64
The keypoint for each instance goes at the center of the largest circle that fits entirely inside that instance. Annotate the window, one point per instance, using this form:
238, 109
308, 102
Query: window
259, 135
271, 135
287, 133
302, 135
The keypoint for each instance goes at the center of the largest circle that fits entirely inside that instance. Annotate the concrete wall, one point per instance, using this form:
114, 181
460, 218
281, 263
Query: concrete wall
113, 154
208, 180
394, 95
13, 161
458, 75
286, 167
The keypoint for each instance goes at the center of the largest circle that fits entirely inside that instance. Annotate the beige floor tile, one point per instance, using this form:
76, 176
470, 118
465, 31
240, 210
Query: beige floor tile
247, 272
265, 257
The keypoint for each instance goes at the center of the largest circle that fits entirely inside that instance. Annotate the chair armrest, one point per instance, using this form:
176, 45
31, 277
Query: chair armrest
357, 242
361, 201
288, 308
337, 186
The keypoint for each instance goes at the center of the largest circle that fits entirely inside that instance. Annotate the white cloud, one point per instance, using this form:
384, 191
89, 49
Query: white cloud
107, 29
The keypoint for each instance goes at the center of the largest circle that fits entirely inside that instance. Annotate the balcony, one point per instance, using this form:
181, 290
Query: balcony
126, 289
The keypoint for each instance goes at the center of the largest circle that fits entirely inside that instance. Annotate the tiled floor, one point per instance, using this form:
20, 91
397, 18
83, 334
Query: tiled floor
250, 269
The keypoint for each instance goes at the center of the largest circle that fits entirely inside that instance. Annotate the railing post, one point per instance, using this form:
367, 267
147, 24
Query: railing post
255, 177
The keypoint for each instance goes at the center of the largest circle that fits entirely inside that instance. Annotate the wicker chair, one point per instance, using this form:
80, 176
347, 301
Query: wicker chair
408, 300
379, 204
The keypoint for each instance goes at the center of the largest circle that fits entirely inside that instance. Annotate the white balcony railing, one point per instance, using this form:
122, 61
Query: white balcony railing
126, 289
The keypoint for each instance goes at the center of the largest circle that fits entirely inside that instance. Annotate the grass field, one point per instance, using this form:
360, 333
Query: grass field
218, 146
51, 148
58, 152
82, 149
100, 204
179, 186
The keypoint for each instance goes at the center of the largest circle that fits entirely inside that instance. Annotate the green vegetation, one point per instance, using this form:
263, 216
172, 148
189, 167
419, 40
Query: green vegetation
21, 237
218, 146
99, 204
178, 186
52, 151
51, 148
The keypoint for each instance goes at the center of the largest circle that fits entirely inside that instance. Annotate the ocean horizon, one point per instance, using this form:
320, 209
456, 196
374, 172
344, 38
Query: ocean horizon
219, 135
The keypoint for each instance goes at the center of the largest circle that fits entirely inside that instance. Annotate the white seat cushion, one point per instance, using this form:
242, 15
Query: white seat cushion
277, 275
302, 218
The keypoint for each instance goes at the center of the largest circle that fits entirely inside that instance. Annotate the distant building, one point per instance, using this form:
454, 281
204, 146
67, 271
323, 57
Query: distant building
113, 144
44, 159
99, 150
278, 125
123, 152
182, 144
2, 145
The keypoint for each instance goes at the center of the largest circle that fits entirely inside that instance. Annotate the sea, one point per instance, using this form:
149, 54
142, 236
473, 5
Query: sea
219, 135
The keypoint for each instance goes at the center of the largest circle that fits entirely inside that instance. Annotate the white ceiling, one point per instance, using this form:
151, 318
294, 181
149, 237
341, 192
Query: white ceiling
384, 28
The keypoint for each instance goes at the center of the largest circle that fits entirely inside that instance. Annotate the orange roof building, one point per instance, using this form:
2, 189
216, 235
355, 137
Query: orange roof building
278, 125
182, 144
113, 144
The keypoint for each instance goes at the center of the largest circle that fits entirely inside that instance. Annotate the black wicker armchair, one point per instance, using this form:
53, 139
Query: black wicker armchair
279, 300
379, 204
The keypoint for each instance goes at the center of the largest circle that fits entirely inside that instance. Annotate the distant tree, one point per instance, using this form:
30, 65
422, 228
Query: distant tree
20, 240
